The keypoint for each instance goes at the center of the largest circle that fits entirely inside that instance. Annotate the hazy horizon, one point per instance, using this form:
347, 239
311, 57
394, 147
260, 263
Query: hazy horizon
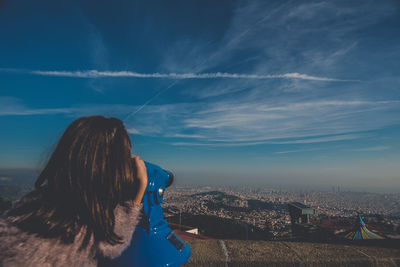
28, 176
228, 92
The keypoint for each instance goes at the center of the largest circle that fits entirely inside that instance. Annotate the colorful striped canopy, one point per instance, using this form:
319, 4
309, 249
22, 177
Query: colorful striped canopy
361, 232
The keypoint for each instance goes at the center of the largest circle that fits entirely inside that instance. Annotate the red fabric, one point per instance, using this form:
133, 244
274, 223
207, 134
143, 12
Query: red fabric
188, 236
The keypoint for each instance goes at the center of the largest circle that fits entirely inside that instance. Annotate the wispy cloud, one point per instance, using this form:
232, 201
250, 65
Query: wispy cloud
43, 111
10, 106
321, 139
132, 131
274, 141
192, 136
371, 149
240, 124
297, 151
217, 144
216, 75
257, 122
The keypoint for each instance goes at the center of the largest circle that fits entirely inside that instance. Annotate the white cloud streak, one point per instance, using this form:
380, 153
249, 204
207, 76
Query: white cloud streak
216, 75
10, 106
28, 112
193, 136
273, 141
372, 149
321, 139
226, 123
132, 131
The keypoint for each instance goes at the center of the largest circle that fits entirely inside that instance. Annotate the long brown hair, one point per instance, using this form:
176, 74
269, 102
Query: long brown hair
89, 173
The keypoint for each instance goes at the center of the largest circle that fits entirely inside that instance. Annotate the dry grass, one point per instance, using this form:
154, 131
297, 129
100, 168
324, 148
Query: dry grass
205, 253
269, 253
258, 253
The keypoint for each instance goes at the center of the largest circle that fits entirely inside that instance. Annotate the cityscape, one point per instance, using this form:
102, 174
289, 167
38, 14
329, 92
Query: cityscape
267, 208
263, 210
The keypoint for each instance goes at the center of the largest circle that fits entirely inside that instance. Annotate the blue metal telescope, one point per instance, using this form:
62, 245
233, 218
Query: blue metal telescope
153, 242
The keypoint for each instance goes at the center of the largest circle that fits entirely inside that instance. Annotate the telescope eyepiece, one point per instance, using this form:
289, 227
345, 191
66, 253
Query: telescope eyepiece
171, 178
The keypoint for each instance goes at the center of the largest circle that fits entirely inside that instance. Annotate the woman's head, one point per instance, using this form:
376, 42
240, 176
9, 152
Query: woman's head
91, 160
88, 174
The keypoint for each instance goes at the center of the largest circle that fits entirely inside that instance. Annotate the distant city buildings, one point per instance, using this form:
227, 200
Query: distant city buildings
267, 208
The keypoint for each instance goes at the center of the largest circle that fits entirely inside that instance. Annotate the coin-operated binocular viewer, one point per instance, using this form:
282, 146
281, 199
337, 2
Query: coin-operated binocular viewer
153, 242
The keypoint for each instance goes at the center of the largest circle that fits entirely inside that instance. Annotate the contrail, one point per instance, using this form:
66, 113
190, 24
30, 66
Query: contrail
148, 101
181, 76
92, 74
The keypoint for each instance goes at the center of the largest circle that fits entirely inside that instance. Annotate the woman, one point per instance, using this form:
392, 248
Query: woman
86, 201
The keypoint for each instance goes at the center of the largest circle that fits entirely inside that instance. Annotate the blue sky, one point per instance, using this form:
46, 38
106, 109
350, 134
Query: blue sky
222, 92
